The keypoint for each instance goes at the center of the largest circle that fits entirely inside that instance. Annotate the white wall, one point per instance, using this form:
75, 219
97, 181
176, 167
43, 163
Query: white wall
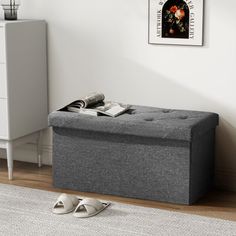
102, 45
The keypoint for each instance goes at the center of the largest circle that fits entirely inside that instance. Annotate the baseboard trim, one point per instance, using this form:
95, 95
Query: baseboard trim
225, 179
28, 153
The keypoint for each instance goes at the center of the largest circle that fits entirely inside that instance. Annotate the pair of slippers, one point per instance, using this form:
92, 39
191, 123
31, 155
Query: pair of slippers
82, 208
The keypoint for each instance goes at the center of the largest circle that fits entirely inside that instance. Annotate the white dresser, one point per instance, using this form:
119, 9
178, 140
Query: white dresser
23, 83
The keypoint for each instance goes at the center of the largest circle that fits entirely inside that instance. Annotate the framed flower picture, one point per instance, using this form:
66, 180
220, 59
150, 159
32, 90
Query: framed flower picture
176, 22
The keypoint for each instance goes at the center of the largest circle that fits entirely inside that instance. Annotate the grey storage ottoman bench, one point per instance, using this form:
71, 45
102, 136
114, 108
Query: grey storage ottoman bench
146, 153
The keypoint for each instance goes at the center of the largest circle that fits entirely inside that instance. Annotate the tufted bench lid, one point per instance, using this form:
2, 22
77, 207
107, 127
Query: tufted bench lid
142, 121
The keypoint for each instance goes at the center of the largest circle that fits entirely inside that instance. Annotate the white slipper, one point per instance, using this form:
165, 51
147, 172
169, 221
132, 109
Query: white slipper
89, 207
65, 204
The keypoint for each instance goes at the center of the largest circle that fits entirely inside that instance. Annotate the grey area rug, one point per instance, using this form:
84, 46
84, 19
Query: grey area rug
25, 211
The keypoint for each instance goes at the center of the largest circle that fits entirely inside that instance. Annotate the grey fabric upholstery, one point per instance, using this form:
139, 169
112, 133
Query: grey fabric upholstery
148, 153
142, 121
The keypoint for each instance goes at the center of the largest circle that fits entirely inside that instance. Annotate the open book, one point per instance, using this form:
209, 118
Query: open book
95, 104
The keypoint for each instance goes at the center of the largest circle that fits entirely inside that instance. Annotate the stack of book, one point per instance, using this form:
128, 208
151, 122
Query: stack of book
94, 104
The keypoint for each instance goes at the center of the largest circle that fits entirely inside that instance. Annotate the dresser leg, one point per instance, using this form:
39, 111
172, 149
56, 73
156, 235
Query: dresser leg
39, 148
10, 159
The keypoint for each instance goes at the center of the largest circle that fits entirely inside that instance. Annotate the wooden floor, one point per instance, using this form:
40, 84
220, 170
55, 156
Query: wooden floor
216, 204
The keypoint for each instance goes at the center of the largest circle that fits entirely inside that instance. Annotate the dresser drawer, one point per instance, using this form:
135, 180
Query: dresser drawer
3, 119
3, 81
2, 45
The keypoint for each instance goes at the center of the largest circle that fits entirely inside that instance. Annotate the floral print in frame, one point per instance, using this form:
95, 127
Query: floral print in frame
176, 22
